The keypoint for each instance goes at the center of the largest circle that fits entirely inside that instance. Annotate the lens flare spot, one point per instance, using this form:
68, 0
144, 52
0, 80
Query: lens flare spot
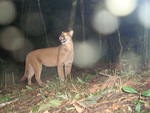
104, 22
12, 38
86, 54
121, 7
7, 12
144, 14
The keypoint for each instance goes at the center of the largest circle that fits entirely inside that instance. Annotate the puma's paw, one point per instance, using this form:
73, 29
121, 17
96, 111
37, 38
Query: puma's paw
30, 83
41, 83
62, 79
23, 78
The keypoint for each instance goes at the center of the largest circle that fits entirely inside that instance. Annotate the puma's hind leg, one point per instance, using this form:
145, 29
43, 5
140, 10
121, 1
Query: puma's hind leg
38, 71
30, 74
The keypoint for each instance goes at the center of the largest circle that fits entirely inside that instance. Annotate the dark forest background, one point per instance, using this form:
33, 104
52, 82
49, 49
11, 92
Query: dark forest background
48, 18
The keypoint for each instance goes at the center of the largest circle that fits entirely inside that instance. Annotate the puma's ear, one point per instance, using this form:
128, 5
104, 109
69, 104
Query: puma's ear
71, 32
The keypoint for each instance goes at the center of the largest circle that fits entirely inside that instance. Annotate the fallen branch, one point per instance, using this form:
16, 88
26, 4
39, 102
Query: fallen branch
104, 74
7, 103
111, 82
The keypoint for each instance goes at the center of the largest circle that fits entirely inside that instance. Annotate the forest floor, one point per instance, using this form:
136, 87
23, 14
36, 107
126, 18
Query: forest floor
90, 91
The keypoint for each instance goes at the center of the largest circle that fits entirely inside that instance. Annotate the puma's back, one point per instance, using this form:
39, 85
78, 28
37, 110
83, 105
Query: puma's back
45, 56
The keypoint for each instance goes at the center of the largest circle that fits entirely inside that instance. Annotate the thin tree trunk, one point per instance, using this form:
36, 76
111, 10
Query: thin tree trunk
120, 44
72, 14
43, 22
82, 19
146, 42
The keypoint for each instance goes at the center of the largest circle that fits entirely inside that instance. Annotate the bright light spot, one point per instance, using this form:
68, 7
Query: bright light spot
144, 14
104, 22
12, 38
7, 12
86, 54
121, 7
33, 24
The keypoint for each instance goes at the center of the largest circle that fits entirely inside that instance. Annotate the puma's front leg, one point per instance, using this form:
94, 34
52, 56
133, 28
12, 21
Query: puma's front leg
68, 69
60, 71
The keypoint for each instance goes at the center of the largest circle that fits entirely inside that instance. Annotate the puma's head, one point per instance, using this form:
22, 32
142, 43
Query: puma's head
65, 37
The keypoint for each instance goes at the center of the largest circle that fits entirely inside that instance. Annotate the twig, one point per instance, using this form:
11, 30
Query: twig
120, 43
104, 74
13, 78
75, 89
6, 103
1, 60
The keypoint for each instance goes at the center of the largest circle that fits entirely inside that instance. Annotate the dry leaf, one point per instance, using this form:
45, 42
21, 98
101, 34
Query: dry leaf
78, 108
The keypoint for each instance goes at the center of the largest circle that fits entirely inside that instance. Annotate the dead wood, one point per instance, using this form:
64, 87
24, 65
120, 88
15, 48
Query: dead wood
7, 103
111, 82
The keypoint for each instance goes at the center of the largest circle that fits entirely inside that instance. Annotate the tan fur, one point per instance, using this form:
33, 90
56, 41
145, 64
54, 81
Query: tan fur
53, 56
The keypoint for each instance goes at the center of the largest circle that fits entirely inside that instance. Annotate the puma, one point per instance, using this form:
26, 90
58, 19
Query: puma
60, 56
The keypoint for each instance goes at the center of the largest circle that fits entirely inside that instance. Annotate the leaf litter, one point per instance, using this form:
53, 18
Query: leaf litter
99, 94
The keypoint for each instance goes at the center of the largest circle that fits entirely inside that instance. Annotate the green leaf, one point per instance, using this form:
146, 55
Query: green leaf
146, 93
5, 99
77, 96
55, 103
142, 101
138, 107
88, 77
29, 88
35, 109
129, 90
62, 96
80, 80
135, 101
